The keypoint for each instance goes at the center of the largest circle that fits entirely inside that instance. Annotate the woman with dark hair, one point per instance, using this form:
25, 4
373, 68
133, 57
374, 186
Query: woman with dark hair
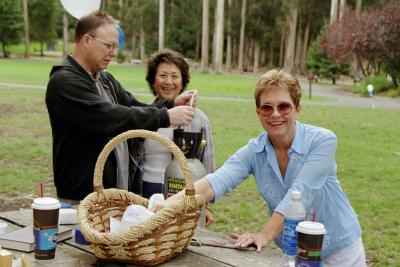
168, 76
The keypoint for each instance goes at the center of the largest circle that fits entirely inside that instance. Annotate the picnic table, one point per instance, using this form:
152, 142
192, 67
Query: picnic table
205, 252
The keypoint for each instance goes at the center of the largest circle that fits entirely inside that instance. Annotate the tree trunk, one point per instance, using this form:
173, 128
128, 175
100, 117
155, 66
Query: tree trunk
263, 56
256, 56
290, 48
334, 11
142, 44
248, 59
271, 55
305, 47
358, 7
5, 52
197, 47
219, 45
104, 6
282, 47
121, 10
65, 34
133, 40
228, 61
297, 56
394, 74
213, 54
204, 37
360, 65
342, 9
26, 30
235, 51
241, 41
161, 21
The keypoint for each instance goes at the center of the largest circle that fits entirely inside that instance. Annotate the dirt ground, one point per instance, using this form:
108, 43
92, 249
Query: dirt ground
16, 203
23, 201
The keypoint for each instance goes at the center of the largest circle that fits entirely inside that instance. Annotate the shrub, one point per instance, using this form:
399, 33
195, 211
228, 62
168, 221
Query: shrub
380, 84
394, 92
121, 57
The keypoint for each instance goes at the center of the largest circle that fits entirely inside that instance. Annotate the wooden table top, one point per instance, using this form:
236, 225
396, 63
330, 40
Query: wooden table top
69, 253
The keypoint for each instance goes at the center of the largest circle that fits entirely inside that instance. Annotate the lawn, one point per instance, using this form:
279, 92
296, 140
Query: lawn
367, 156
36, 72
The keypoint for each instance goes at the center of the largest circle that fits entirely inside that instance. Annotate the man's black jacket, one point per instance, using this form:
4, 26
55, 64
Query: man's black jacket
83, 122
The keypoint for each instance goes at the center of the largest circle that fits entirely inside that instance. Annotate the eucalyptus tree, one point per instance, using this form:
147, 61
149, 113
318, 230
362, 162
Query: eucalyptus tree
11, 23
131, 26
263, 31
334, 11
219, 37
138, 19
183, 27
242, 32
342, 9
313, 14
291, 22
26, 29
161, 23
358, 7
43, 21
205, 35
228, 58
148, 26
65, 33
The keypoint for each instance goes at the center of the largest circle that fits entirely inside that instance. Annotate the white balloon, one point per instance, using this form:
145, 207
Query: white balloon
79, 8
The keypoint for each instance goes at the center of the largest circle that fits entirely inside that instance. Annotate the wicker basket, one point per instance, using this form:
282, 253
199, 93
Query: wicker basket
153, 241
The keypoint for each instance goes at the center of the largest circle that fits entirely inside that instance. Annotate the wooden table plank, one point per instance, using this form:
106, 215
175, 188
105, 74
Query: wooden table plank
69, 253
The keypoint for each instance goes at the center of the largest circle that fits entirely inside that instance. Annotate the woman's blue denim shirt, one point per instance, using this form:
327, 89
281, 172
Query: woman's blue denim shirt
311, 170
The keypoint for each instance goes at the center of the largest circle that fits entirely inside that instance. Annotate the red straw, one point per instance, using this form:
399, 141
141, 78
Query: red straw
41, 189
313, 216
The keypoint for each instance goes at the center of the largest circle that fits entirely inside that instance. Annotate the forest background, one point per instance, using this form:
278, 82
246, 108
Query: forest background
319, 39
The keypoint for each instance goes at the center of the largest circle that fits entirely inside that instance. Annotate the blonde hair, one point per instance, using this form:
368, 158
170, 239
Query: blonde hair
278, 80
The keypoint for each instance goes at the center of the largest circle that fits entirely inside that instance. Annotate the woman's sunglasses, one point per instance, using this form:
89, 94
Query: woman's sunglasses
283, 108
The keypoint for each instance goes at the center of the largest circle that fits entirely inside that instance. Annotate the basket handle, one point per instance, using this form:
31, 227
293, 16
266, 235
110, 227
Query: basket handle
178, 154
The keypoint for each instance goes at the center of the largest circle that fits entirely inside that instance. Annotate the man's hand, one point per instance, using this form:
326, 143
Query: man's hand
258, 239
188, 98
181, 115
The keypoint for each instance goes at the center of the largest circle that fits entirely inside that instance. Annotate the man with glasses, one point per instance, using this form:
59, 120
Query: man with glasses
87, 107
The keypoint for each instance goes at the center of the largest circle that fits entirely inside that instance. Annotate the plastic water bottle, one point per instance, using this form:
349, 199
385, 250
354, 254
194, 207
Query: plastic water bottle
295, 213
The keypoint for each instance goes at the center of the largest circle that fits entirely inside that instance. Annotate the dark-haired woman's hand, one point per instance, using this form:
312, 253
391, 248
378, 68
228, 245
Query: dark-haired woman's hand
188, 98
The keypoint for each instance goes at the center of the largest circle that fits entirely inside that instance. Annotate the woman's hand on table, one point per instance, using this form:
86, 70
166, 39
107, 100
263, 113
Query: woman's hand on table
247, 239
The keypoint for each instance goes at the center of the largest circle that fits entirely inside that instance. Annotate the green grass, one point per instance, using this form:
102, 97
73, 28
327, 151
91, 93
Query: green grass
367, 154
34, 49
25, 157
36, 72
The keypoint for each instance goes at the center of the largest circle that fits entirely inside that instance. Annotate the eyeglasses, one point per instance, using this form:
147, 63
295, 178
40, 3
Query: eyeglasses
105, 43
283, 108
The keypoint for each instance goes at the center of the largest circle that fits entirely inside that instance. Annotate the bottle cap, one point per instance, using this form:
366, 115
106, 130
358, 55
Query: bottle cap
296, 194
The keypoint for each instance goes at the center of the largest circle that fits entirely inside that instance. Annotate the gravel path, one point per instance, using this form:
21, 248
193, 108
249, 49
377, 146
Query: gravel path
343, 98
337, 97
